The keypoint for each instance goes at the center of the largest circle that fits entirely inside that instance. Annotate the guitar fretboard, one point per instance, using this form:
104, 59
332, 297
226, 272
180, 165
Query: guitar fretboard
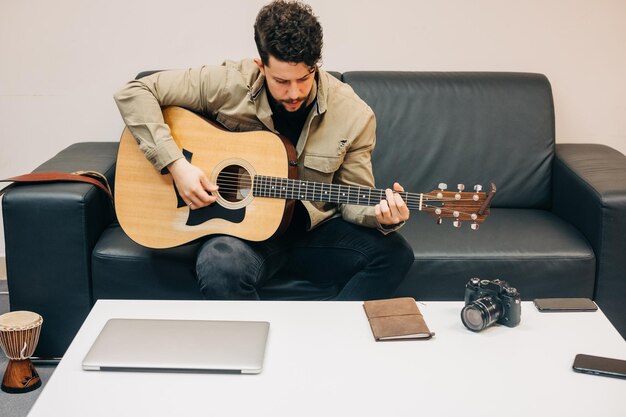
273, 187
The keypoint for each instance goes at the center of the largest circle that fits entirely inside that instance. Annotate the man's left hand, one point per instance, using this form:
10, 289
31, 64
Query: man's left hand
393, 210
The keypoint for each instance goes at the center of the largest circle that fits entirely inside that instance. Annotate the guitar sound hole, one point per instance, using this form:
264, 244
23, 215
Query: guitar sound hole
234, 183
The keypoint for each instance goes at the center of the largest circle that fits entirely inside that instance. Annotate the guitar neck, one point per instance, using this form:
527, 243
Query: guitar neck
273, 187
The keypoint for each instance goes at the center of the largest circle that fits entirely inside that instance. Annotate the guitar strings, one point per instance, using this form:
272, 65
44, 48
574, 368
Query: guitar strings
232, 182
241, 181
237, 182
352, 194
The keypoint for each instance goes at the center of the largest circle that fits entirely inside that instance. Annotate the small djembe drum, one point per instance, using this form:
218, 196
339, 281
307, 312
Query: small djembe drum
19, 334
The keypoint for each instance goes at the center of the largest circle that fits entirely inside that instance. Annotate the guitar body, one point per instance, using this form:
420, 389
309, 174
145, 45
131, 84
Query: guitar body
151, 212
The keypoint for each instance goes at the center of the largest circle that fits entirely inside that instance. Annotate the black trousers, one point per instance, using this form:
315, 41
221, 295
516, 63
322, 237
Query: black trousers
363, 262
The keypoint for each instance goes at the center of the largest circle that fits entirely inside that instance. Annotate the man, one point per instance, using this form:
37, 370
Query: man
351, 247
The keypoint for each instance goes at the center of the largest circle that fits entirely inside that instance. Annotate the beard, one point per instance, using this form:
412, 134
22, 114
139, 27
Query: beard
290, 105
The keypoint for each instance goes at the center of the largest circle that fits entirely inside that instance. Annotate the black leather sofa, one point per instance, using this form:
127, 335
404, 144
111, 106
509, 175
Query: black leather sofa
557, 226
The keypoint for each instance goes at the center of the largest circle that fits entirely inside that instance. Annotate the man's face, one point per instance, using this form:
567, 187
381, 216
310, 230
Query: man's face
289, 83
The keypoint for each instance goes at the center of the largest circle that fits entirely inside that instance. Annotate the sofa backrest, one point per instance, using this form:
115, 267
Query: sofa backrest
470, 128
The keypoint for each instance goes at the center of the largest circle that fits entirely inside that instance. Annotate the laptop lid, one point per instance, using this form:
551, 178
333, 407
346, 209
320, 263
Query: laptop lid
179, 345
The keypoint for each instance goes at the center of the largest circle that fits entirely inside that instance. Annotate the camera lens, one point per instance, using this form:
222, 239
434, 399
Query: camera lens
481, 313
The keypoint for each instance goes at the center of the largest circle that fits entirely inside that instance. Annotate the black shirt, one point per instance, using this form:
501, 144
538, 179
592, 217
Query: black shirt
290, 124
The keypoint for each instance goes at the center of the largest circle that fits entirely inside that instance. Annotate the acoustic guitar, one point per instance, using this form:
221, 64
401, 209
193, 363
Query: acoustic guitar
257, 177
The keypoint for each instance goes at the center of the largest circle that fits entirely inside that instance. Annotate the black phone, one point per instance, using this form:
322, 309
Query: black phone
597, 365
565, 304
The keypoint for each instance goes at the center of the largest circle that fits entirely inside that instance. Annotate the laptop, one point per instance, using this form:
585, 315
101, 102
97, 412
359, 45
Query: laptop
179, 346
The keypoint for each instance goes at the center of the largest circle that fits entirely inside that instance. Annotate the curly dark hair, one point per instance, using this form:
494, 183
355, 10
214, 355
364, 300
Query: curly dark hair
288, 31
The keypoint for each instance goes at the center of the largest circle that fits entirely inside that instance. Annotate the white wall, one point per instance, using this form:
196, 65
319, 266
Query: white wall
62, 60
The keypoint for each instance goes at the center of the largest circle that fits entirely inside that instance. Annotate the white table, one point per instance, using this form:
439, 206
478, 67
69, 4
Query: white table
322, 360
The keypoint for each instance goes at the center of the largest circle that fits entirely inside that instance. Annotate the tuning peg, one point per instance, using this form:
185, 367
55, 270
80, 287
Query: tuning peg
475, 226
461, 187
442, 186
456, 223
439, 220
477, 188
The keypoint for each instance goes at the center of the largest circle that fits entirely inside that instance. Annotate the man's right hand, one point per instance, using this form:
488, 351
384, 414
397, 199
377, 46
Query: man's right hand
193, 186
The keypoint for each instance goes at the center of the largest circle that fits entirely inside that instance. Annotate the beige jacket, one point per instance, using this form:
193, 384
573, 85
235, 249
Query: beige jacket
335, 145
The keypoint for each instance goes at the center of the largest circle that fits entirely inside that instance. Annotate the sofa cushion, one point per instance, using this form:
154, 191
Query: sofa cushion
534, 250
543, 256
469, 128
122, 269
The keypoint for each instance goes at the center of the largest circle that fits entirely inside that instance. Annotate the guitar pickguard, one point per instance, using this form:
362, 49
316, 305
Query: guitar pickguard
215, 211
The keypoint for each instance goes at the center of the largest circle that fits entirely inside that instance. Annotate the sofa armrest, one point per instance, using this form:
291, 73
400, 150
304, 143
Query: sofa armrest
50, 232
589, 191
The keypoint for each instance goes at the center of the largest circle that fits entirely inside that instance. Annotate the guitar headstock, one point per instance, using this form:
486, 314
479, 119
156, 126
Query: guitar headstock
459, 205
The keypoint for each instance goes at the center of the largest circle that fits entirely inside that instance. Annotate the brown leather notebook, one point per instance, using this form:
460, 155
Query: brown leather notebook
396, 318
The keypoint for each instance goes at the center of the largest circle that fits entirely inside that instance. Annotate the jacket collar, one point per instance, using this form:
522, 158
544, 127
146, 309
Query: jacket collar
322, 91
258, 95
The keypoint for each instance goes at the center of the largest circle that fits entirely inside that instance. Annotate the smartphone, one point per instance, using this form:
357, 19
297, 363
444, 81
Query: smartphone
597, 365
565, 304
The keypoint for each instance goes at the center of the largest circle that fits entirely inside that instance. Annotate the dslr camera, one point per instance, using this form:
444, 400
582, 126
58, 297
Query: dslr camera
488, 302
